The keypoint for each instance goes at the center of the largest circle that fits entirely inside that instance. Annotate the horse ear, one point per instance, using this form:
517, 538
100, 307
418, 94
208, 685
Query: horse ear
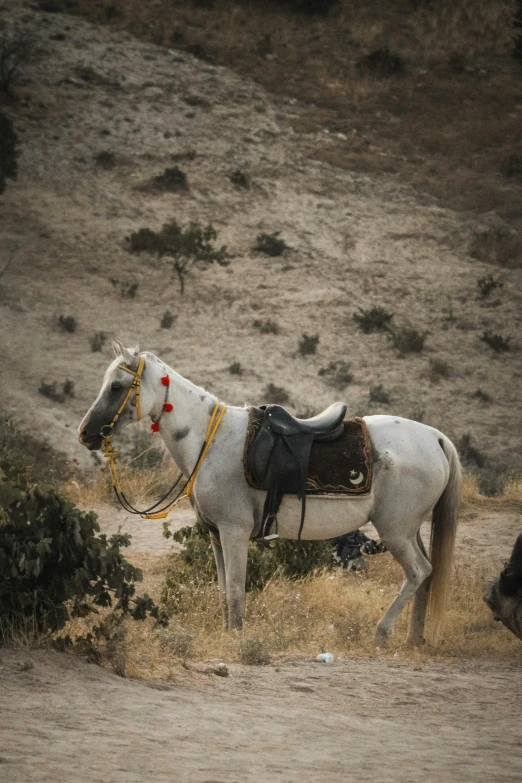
117, 348
129, 355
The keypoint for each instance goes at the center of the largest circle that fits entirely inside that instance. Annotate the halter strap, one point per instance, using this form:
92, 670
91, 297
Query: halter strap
213, 426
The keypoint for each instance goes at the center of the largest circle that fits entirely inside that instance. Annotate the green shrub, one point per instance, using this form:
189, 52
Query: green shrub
167, 319
105, 159
126, 289
184, 246
379, 395
270, 245
439, 369
337, 374
266, 327
308, 344
172, 180
408, 340
8, 151
253, 651
376, 319
235, 369
67, 323
488, 284
276, 395
239, 180
195, 564
499, 343
381, 63
97, 341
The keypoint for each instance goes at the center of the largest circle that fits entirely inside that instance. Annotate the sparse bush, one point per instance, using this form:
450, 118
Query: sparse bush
8, 151
184, 246
239, 180
488, 284
499, 343
50, 390
337, 374
270, 245
253, 651
17, 47
482, 396
266, 327
97, 341
172, 180
105, 159
167, 319
67, 323
177, 641
235, 369
497, 245
68, 388
382, 63
512, 167
439, 369
375, 320
378, 395
276, 395
126, 289
308, 344
469, 455
408, 340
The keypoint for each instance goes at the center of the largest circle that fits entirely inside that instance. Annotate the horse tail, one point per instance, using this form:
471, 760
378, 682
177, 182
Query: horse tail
443, 531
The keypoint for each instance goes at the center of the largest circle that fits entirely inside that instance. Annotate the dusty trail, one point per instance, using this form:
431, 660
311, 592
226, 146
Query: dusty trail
62, 719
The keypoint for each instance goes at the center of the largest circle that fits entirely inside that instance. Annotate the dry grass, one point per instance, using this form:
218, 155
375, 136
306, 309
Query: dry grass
326, 612
472, 498
447, 125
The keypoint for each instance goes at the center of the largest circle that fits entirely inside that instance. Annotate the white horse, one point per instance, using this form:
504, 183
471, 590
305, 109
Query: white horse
416, 474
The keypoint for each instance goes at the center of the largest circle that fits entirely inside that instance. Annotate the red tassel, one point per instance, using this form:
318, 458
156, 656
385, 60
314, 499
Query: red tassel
155, 426
165, 380
168, 407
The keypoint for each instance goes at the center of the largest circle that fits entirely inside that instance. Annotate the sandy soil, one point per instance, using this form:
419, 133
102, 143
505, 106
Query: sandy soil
356, 242
62, 719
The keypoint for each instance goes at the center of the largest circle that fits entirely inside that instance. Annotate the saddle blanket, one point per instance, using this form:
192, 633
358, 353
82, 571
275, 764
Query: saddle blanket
341, 467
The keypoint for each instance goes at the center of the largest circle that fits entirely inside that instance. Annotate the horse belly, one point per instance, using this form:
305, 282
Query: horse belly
327, 516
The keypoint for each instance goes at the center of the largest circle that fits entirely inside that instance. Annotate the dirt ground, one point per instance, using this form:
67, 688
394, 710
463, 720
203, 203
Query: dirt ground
65, 720
299, 720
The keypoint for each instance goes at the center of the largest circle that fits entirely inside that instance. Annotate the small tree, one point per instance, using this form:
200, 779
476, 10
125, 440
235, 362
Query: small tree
185, 246
8, 151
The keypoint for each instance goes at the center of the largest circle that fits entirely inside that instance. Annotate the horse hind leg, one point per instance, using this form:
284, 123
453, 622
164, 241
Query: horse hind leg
417, 569
420, 604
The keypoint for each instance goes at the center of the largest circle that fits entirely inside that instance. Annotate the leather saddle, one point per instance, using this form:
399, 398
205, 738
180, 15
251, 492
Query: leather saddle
278, 457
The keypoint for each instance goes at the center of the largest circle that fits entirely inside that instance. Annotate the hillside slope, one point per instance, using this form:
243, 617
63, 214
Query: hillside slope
356, 242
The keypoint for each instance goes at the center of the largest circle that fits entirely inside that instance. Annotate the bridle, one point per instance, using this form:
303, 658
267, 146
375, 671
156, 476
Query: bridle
153, 512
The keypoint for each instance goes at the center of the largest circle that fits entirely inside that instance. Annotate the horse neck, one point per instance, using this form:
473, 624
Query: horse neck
183, 430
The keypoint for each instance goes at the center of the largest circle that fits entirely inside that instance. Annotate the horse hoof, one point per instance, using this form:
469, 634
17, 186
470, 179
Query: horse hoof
381, 640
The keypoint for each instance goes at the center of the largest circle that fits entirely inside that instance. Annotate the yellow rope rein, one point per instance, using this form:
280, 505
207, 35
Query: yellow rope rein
213, 426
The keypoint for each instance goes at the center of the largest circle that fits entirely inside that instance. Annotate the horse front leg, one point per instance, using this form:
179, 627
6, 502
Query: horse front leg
222, 582
234, 542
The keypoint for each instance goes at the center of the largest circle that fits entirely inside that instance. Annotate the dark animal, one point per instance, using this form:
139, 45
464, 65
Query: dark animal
504, 595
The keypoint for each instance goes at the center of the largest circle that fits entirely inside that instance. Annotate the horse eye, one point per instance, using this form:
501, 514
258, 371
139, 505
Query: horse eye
115, 385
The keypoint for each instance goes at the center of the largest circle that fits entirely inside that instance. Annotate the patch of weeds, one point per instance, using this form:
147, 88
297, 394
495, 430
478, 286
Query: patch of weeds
97, 341
498, 245
254, 651
266, 327
67, 323
438, 370
377, 319
172, 180
235, 369
167, 319
276, 395
495, 341
240, 180
512, 167
52, 391
308, 344
337, 374
488, 284
408, 340
126, 289
482, 396
270, 245
378, 395
68, 388
382, 63
105, 159
469, 455
177, 641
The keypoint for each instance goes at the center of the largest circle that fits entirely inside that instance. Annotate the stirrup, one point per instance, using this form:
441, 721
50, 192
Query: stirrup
267, 525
